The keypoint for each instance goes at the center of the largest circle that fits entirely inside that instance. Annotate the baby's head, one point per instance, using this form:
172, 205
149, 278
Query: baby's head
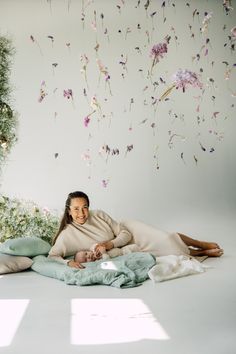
85, 256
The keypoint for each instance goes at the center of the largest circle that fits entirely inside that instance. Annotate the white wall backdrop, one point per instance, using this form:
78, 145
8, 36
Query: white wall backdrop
135, 155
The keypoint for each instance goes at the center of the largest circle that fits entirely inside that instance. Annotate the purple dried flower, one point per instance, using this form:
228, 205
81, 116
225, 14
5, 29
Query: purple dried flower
68, 94
182, 78
158, 50
105, 183
86, 121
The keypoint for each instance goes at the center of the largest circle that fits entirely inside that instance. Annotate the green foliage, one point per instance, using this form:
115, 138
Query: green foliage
19, 218
8, 118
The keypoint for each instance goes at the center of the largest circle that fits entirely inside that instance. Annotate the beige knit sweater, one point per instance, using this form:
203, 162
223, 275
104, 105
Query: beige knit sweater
99, 227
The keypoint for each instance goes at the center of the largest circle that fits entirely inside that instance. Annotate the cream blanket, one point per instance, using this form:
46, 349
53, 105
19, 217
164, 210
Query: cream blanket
172, 266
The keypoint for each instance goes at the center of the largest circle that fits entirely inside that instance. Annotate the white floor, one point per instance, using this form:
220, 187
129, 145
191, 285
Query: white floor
194, 314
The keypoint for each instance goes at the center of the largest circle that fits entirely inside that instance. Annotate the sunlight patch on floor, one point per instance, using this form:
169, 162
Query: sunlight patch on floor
11, 314
105, 321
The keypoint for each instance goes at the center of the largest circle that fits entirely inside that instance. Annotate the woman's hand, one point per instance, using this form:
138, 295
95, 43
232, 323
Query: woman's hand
99, 250
74, 264
108, 245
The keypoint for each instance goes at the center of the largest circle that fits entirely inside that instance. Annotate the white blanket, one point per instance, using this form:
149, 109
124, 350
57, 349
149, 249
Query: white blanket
170, 267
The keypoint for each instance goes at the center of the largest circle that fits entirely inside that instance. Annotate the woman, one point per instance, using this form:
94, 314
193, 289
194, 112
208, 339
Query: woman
80, 228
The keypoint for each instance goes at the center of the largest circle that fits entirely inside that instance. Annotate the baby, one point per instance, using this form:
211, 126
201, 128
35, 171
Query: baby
92, 255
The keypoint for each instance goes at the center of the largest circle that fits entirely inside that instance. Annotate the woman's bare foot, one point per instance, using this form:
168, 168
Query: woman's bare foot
214, 252
211, 252
201, 248
199, 245
208, 245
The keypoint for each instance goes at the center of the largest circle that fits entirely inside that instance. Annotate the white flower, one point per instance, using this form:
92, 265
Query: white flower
19, 218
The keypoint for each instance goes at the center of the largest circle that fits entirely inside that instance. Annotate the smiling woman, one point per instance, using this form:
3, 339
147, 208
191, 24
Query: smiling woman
82, 228
79, 210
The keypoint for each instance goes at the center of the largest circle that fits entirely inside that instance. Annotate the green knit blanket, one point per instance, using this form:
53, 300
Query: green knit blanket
126, 271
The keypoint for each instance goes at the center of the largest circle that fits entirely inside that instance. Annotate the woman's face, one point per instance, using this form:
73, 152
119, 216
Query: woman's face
79, 210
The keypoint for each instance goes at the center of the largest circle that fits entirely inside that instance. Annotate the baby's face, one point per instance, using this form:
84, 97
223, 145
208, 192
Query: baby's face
85, 256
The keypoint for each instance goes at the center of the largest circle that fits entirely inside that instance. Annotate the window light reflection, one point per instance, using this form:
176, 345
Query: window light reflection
108, 265
104, 321
12, 312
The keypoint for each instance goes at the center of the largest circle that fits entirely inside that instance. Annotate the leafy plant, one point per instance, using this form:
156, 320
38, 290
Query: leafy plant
8, 118
19, 218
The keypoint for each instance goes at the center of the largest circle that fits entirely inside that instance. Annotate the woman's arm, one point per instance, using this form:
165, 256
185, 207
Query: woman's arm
59, 250
55, 255
121, 235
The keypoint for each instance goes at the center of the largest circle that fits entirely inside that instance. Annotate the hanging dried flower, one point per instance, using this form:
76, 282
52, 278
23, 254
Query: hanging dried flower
182, 78
68, 94
206, 21
157, 52
86, 121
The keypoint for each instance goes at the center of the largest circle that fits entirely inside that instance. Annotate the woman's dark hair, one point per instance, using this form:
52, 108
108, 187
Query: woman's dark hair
66, 218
